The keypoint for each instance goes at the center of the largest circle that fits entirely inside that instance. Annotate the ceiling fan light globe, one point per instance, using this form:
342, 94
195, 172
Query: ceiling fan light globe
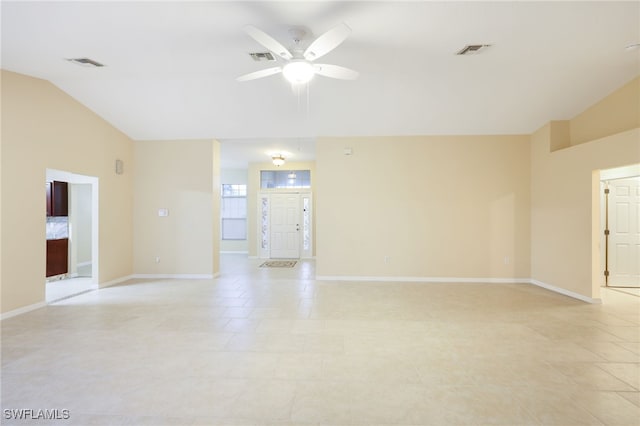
299, 72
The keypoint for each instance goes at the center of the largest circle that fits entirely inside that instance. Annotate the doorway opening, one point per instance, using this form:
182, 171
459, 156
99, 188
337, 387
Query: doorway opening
619, 228
76, 231
285, 225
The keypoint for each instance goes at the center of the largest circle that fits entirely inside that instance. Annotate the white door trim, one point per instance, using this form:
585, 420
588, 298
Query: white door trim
61, 175
624, 235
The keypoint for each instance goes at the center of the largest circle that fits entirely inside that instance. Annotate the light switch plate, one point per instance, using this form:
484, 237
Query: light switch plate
163, 212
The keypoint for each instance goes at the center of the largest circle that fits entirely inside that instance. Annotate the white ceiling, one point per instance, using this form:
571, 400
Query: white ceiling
171, 66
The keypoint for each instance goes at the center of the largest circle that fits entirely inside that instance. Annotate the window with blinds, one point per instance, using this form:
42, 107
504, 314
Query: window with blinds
234, 212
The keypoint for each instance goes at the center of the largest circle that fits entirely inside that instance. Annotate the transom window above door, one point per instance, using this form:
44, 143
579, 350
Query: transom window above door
282, 179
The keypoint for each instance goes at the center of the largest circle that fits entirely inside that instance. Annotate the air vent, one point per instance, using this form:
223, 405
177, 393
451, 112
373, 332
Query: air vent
262, 56
86, 62
472, 49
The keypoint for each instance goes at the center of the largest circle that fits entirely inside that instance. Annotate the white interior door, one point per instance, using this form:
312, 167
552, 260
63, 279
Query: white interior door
285, 226
624, 232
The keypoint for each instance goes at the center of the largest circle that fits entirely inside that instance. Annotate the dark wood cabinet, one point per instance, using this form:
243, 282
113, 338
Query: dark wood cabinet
57, 257
57, 198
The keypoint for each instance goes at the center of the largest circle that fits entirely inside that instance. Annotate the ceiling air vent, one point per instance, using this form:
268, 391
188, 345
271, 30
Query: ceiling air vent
262, 56
86, 62
472, 49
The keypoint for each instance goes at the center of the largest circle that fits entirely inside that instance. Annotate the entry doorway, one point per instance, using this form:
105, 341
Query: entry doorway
620, 229
285, 225
82, 233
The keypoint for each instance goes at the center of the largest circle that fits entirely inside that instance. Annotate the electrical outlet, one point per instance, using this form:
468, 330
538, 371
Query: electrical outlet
387, 259
507, 260
157, 259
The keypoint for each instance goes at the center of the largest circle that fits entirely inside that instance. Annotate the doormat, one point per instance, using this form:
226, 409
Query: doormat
279, 264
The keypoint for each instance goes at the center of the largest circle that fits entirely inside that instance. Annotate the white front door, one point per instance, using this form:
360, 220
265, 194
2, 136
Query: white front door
624, 232
285, 226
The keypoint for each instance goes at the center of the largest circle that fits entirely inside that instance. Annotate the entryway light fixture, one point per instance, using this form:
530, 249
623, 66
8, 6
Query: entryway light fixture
278, 160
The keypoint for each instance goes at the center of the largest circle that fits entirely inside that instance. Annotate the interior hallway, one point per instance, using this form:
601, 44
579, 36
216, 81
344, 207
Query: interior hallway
274, 346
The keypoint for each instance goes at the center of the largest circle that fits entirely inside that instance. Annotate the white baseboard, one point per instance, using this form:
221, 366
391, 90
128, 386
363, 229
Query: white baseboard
566, 292
114, 282
22, 310
461, 280
175, 276
234, 252
426, 279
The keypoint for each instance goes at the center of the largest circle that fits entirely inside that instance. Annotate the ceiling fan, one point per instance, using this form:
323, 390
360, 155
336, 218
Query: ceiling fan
300, 67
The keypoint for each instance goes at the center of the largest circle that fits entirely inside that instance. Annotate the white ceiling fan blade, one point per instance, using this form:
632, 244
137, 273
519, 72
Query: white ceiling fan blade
267, 41
335, 71
327, 42
259, 74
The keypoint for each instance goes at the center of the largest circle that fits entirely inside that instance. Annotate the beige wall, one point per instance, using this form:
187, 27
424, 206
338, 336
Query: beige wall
562, 206
42, 128
450, 206
253, 188
178, 176
565, 197
565, 189
616, 113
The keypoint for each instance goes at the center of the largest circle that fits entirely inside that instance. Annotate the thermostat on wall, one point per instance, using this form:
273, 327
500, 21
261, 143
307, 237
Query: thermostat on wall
163, 212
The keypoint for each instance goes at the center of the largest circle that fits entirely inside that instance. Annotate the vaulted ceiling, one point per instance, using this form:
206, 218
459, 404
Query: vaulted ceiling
170, 67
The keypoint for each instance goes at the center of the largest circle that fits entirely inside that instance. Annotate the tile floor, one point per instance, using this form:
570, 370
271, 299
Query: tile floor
263, 346
60, 289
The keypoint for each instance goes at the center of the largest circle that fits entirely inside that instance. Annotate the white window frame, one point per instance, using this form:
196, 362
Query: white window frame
223, 219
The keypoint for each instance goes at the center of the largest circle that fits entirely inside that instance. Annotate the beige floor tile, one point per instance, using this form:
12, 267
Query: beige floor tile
264, 347
245, 365
322, 402
626, 333
266, 342
375, 368
634, 397
611, 352
468, 405
631, 346
324, 344
383, 403
265, 401
274, 325
591, 376
238, 325
610, 408
627, 372
299, 366
238, 312
550, 406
